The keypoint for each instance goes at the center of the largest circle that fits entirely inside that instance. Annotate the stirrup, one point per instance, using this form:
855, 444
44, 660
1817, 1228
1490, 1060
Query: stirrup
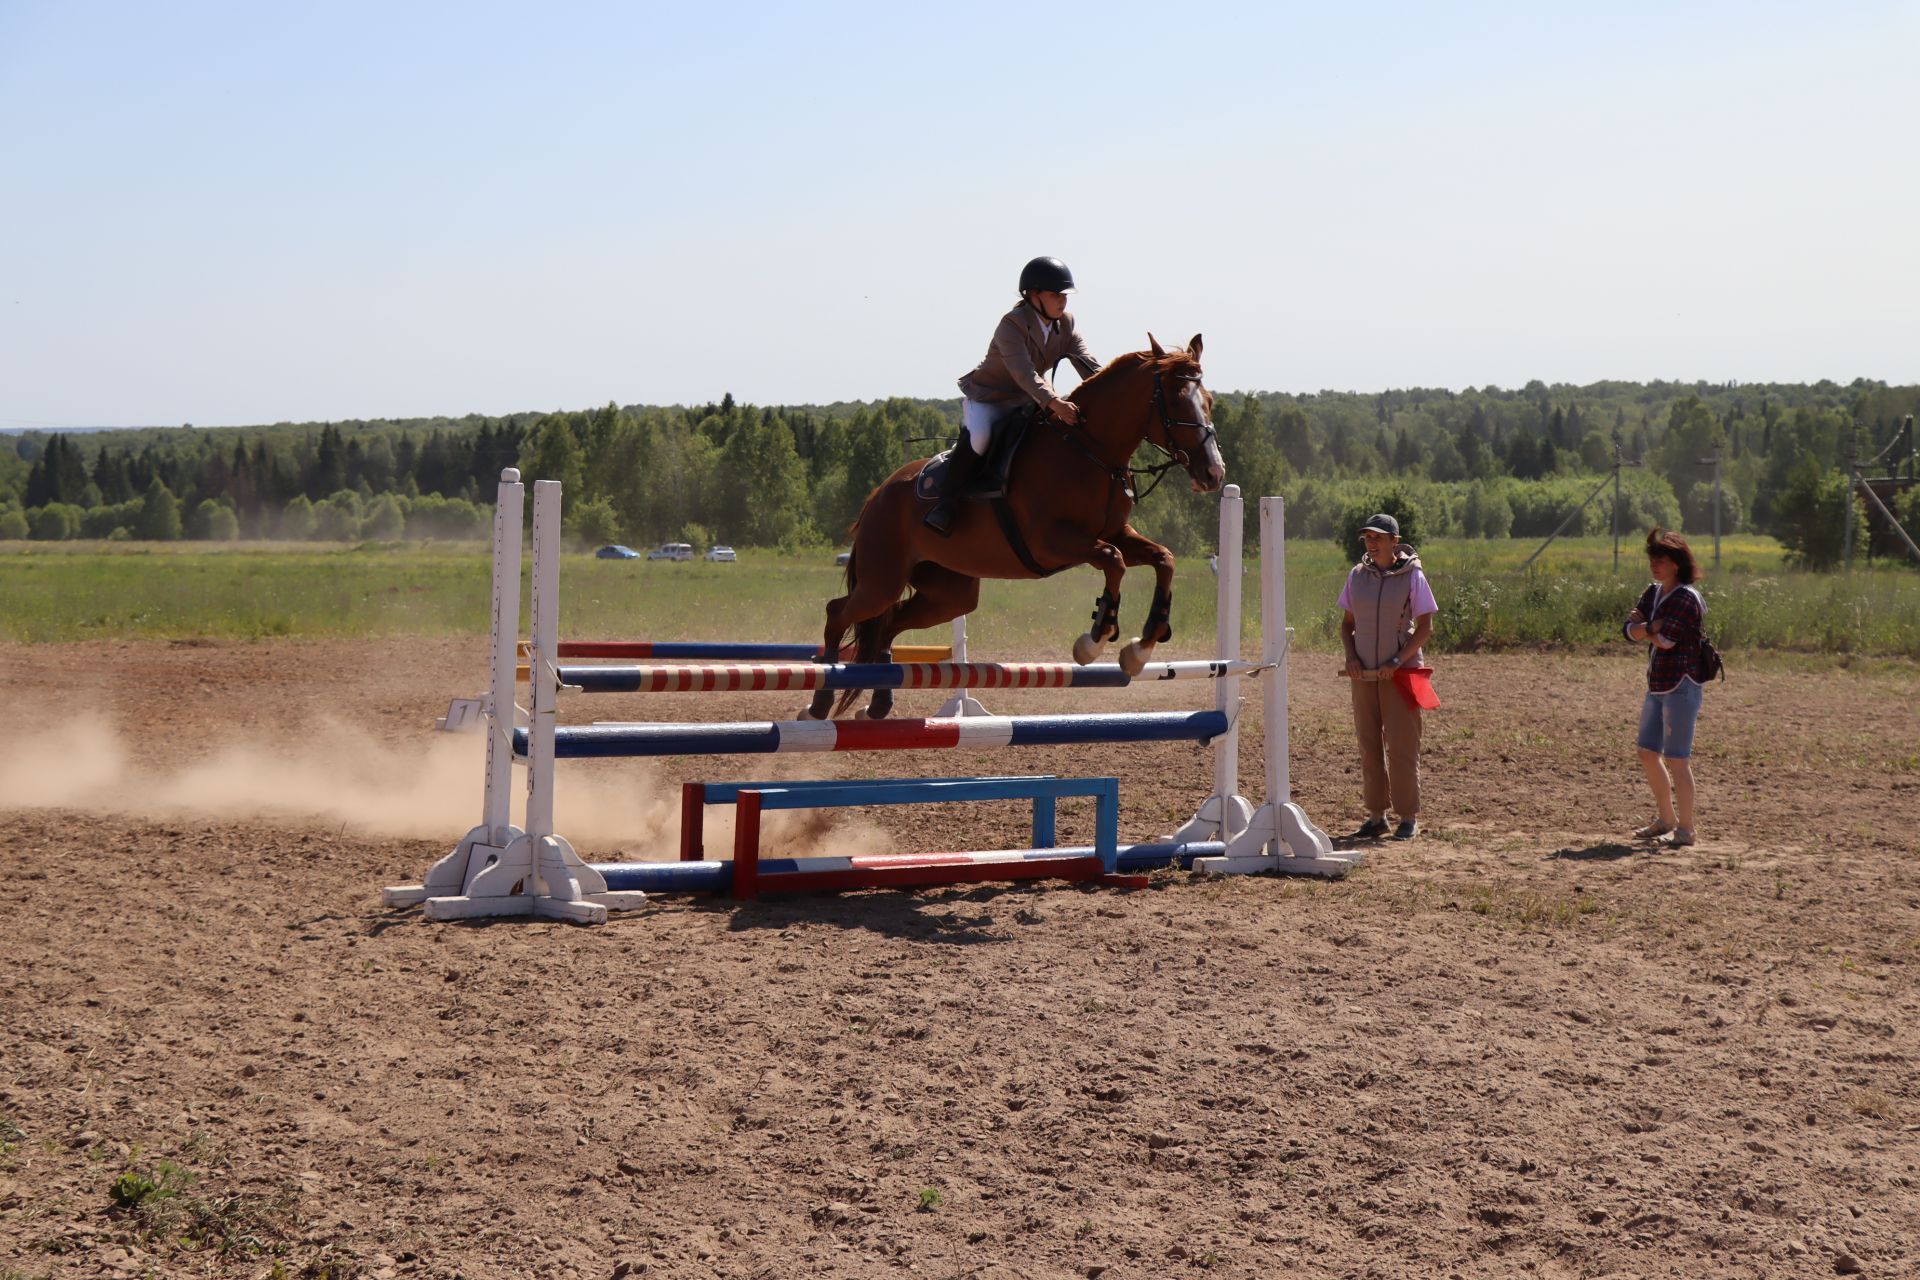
940, 520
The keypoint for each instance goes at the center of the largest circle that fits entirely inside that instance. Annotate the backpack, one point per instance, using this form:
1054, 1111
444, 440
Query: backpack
1709, 665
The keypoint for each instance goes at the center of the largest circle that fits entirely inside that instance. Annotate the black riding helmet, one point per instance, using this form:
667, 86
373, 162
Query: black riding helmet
1045, 275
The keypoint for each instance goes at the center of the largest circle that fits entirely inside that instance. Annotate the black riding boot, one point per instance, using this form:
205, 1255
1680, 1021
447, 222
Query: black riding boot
961, 464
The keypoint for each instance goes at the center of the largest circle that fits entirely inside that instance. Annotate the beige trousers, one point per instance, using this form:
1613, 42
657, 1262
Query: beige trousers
1388, 727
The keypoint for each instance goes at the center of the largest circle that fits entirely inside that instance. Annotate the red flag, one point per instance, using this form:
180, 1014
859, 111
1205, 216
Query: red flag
1416, 685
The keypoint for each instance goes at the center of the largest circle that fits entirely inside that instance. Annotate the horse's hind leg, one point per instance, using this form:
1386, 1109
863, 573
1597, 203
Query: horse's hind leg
836, 629
939, 595
864, 600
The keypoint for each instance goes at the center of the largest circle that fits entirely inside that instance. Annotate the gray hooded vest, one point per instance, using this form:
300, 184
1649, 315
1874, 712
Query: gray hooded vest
1381, 601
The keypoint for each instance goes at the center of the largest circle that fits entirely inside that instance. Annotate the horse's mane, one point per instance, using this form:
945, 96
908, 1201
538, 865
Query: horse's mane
1127, 362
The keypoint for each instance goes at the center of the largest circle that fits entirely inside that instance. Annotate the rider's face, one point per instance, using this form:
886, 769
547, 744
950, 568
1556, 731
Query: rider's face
1052, 305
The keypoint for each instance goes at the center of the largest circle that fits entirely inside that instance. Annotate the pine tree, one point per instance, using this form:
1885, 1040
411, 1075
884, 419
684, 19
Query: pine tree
555, 455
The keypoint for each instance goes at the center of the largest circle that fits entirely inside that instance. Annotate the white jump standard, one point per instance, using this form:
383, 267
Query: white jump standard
498, 869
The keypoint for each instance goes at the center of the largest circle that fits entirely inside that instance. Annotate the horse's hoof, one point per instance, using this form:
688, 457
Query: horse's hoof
806, 713
1086, 649
1134, 658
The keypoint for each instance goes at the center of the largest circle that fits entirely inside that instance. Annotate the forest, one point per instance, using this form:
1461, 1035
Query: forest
1480, 463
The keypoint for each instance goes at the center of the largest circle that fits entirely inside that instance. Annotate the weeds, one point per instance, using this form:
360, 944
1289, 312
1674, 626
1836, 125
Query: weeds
1529, 909
134, 1189
1875, 1105
157, 1201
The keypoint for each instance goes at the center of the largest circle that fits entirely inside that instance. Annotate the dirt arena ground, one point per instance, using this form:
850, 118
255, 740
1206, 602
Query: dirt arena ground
1518, 1046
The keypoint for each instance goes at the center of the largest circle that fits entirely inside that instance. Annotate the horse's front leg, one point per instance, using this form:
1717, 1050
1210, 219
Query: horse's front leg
1137, 551
1106, 609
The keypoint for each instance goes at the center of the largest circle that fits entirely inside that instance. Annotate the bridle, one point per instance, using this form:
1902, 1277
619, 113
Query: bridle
1124, 473
1176, 456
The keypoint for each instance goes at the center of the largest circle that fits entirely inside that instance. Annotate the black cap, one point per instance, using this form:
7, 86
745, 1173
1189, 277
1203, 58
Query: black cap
1048, 275
1384, 523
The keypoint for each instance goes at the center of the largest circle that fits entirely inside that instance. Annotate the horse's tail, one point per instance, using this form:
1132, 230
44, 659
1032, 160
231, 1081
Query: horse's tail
869, 645
869, 642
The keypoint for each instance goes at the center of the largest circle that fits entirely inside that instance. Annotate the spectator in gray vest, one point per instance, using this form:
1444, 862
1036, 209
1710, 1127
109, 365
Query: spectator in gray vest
1387, 610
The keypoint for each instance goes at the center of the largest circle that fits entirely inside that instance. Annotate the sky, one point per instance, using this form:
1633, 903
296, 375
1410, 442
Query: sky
243, 213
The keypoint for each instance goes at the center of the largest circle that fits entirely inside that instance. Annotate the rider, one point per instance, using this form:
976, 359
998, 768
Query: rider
1036, 335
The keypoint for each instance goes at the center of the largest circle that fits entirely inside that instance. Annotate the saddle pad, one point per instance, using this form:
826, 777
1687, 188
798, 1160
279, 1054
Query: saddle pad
990, 481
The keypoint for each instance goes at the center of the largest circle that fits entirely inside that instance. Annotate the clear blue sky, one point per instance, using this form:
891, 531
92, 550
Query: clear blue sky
234, 213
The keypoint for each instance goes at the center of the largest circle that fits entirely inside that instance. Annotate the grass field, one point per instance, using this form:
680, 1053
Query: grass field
1570, 597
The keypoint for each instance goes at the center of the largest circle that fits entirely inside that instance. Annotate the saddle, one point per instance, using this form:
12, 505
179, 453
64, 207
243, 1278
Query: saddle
990, 477
989, 481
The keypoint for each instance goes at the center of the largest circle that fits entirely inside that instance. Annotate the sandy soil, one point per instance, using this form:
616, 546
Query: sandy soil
1517, 1046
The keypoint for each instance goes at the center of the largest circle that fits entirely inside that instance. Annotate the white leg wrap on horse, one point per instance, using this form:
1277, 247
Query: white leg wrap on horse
1086, 649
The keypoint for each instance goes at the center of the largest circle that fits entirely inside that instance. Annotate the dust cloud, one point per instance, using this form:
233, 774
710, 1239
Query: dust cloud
333, 773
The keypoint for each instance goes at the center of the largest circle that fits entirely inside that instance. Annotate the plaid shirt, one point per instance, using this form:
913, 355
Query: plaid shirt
1680, 616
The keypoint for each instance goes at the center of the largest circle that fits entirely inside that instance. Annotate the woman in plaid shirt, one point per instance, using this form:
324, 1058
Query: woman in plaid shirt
1667, 620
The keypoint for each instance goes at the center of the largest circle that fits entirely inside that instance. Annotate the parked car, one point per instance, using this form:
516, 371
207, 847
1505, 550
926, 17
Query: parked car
843, 557
721, 553
671, 551
617, 552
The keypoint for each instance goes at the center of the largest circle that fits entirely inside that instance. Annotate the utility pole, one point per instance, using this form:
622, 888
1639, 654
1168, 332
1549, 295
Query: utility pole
1853, 478
1860, 486
1714, 462
1618, 462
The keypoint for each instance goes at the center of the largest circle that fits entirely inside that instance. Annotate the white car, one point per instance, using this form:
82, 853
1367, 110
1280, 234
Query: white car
720, 553
671, 551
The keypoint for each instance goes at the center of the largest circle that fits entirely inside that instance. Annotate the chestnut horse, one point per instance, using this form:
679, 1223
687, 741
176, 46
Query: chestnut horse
1070, 494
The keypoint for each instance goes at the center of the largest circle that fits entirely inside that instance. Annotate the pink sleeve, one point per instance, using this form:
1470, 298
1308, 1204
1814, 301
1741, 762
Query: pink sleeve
1422, 601
1345, 601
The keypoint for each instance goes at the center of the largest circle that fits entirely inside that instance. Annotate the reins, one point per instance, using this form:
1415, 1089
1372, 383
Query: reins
1125, 472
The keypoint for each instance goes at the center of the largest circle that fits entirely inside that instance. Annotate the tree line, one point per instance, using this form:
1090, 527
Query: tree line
1484, 462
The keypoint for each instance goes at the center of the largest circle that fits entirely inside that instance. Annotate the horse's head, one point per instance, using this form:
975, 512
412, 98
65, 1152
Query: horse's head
1182, 423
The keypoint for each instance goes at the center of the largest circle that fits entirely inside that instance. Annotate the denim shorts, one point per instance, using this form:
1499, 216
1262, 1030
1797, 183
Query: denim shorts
1667, 720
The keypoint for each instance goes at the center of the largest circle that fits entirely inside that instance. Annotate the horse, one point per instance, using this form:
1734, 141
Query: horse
1069, 494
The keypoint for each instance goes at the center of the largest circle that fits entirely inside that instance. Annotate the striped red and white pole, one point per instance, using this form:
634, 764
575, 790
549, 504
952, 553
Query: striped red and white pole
805, 676
979, 733
723, 651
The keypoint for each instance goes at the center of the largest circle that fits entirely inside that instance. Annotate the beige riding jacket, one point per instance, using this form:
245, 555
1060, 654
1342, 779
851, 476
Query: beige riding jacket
1019, 359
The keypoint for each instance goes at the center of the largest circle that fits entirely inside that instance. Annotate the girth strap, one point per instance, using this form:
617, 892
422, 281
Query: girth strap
1017, 540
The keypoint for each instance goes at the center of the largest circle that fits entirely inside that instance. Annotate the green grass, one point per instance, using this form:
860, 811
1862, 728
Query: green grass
1570, 599
74, 591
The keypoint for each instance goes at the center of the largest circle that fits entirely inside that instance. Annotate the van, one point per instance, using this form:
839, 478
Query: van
671, 551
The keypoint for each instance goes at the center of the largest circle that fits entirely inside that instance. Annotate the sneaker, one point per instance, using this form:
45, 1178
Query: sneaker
1679, 838
1652, 831
1406, 830
1371, 829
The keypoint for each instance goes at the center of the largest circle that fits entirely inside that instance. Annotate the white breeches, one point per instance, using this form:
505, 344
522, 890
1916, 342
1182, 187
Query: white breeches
979, 418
